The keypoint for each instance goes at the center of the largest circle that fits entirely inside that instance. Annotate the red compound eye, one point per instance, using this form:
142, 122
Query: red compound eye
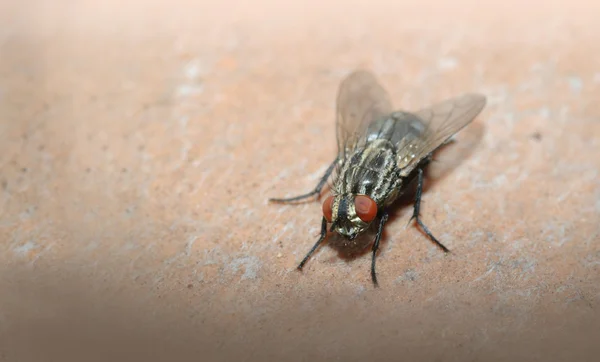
365, 208
327, 208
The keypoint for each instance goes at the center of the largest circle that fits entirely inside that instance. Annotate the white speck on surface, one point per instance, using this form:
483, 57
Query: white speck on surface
545, 112
186, 90
189, 244
500, 180
592, 260
129, 246
525, 265
250, 263
183, 154
447, 63
183, 122
25, 248
487, 272
282, 175
27, 213
192, 70
555, 234
575, 84
285, 228
409, 275
563, 196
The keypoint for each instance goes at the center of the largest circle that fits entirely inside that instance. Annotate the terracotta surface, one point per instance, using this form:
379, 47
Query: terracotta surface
141, 140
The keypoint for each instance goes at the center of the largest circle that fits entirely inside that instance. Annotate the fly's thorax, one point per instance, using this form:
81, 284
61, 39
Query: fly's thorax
370, 170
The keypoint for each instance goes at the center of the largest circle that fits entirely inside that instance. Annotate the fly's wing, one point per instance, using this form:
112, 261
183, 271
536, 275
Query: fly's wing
360, 101
441, 121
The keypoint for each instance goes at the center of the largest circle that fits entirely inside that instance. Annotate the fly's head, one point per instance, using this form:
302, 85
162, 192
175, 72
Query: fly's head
349, 214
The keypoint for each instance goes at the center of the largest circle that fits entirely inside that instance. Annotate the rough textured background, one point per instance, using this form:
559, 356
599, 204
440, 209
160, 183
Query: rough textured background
141, 140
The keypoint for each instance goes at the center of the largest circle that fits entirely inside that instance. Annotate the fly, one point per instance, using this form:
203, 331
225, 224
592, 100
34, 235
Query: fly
380, 152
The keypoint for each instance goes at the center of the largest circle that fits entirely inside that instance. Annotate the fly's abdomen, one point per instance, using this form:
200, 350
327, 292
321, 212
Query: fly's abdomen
397, 127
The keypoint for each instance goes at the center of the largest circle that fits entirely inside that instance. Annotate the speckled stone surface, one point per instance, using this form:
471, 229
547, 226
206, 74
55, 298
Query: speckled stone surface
140, 142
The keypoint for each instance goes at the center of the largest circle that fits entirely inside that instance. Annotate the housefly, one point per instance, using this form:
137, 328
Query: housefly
380, 152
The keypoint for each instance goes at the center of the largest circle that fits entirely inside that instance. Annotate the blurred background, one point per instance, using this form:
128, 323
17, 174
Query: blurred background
140, 141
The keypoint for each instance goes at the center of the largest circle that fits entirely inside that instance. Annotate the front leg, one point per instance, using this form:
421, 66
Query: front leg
317, 189
382, 222
417, 208
312, 250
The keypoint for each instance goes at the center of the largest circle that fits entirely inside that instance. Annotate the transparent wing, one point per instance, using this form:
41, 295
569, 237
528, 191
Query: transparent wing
360, 100
442, 121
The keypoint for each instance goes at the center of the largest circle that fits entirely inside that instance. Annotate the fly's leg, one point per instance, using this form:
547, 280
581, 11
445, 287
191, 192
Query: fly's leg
376, 246
312, 250
417, 208
317, 189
